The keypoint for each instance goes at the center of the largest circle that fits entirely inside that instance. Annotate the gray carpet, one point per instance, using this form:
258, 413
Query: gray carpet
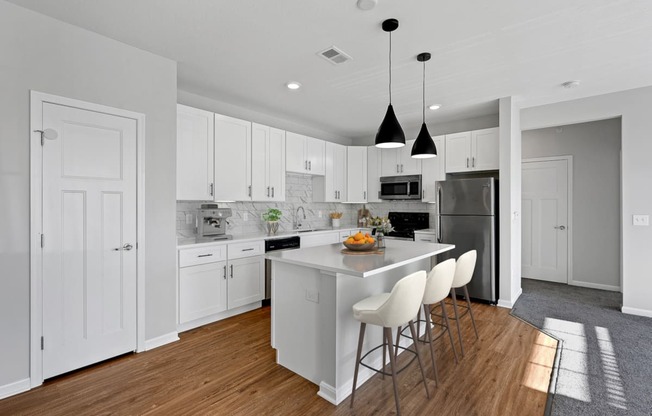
605, 356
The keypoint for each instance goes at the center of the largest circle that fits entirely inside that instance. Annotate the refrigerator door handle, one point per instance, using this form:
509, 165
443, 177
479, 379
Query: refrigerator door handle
438, 213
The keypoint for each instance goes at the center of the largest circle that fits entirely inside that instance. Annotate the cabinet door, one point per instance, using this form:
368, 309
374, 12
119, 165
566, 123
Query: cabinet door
313, 240
194, 154
485, 149
260, 189
458, 152
433, 170
408, 164
356, 177
295, 158
390, 165
315, 155
373, 174
246, 281
425, 237
276, 164
339, 172
202, 291
232, 159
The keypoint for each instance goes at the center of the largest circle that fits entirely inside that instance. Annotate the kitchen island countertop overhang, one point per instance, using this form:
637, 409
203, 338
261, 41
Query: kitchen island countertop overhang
313, 292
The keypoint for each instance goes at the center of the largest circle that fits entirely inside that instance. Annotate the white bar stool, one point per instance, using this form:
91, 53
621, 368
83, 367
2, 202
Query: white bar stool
391, 310
463, 274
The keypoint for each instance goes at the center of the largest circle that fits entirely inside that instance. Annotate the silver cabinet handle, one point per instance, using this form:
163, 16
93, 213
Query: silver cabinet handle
397, 171
364, 194
426, 239
231, 271
306, 164
560, 227
268, 191
467, 162
473, 162
247, 249
335, 194
401, 168
210, 189
205, 255
310, 165
225, 272
272, 192
249, 190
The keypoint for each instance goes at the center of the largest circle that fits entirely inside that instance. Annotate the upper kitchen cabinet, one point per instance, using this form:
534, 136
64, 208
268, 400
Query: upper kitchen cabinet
373, 174
232, 159
433, 170
304, 154
472, 151
194, 154
399, 161
332, 186
356, 178
268, 163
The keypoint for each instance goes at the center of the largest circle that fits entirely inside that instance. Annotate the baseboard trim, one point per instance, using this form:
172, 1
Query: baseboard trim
150, 344
187, 326
509, 304
636, 311
590, 285
15, 388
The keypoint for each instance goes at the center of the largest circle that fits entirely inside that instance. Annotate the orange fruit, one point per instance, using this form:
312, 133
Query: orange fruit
359, 236
350, 240
370, 240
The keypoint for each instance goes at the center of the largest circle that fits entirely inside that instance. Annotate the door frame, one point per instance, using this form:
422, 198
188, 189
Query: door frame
569, 226
37, 99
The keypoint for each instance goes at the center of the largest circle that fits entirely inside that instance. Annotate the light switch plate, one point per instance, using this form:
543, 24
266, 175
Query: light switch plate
245, 216
312, 295
189, 218
641, 220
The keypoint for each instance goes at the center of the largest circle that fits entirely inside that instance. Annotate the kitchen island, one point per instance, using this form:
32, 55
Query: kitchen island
313, 290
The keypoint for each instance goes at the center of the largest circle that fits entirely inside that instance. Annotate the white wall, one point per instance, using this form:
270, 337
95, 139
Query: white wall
43, 54
634, 108
595, 148
220, 107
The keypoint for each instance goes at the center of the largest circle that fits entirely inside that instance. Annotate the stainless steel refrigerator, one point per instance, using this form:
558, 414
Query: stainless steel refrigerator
468, 218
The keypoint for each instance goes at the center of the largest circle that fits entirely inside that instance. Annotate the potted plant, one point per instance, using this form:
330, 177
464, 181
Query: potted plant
382, 226
271, 218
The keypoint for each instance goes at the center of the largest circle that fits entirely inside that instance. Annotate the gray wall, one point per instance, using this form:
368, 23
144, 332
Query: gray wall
46, 55
595, 148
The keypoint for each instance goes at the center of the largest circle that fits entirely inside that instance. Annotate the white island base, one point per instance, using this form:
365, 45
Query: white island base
313, 329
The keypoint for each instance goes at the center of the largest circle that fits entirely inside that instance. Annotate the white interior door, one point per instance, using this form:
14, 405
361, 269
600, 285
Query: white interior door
89, 225
545, 220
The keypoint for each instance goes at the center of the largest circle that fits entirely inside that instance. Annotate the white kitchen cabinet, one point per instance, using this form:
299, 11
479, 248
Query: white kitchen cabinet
232, 159
194, 154
332, 186
399, 161
304, 154
356, 177
268, 163
320, 239
373, 174
433, 170
246, 281
472, 151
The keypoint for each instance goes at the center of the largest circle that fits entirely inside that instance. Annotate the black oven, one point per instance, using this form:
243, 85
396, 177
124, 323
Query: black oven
400, 187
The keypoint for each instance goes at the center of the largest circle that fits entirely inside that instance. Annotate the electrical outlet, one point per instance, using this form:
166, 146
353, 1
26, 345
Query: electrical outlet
641, 220
319, 214
189, 219
245, 216
312, 295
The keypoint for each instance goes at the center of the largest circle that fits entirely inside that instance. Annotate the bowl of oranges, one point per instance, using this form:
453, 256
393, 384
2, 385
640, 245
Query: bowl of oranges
360, 242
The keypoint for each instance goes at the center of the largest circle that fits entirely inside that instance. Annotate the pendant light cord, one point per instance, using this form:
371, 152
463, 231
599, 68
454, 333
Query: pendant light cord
424, 92
390, 68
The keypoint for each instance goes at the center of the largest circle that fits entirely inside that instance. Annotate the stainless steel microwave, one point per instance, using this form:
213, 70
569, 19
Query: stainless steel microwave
400, 187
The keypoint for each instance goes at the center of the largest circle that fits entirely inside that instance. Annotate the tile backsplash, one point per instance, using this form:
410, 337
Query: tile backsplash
298, 192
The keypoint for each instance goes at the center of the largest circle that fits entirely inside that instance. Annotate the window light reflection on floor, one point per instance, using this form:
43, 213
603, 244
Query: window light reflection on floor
613, 382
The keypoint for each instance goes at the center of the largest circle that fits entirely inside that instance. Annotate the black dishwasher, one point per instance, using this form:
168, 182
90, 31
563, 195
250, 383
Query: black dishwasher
275, 244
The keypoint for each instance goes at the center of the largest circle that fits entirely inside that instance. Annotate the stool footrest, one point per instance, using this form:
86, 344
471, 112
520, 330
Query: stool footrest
391, 351
418, 322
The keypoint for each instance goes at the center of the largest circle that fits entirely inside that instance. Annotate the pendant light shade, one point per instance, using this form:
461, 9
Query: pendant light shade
390, 134
424, 147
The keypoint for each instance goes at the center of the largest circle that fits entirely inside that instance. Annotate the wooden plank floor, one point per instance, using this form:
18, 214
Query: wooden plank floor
228, 368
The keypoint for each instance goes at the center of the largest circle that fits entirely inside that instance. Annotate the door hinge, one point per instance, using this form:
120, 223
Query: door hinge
42, 343
42, 240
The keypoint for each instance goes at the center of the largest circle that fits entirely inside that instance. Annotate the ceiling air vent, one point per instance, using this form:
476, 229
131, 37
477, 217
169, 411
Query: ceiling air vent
334, 55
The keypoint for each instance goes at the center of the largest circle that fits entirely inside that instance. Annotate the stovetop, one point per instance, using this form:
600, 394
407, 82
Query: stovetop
405, 223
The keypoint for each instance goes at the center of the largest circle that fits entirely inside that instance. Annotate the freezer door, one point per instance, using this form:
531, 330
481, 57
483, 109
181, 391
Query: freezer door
467, 196
473, 233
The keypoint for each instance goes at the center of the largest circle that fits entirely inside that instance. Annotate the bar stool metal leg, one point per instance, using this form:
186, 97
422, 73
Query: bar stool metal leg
457, 319
357, 360
448, 326
392, 364
427, 309
468, 303
416, 349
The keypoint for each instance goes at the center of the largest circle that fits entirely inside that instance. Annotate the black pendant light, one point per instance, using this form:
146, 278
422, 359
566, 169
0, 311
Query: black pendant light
390, 134
424, 147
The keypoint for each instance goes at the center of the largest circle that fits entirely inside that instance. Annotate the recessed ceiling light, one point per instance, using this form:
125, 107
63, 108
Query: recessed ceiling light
570, 84
367, 4
293, 85
435, 106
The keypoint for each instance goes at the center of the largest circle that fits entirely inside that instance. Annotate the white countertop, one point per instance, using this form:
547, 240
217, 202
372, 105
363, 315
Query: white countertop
193, 242
330, 258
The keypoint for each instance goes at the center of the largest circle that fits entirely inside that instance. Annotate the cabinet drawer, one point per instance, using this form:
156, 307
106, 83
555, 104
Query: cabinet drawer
241, 250
203, 255
426, 238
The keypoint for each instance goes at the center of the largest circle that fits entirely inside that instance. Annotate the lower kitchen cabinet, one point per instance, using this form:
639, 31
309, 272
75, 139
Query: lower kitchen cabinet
313, 240
214, 286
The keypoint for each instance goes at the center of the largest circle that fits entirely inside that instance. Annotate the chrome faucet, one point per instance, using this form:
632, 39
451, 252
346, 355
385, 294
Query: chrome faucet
297, 223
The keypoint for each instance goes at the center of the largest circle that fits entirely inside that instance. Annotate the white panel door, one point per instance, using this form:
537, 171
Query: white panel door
89, 224
295, 155
545, 220
315, 155
433, 170
485, 149
260, 189
390, 165
408, 164
339, 172
458, 152
232, 159
373, 174
276, 164
356, 176
194, 154
202, 290
246, 281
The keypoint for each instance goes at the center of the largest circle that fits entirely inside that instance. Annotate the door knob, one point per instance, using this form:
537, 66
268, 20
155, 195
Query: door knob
561, 227
127, 247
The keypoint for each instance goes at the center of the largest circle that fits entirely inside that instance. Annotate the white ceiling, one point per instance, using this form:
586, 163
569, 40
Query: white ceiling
244, 51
